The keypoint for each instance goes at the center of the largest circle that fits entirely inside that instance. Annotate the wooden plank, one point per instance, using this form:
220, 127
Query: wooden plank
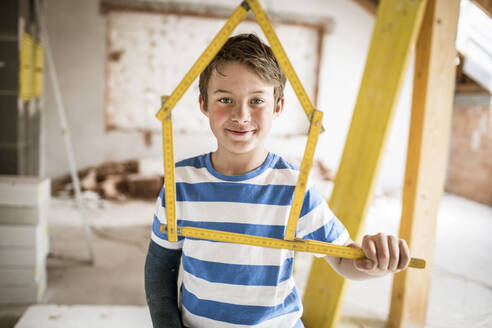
426, 157
371, 6
394, 34
485, 5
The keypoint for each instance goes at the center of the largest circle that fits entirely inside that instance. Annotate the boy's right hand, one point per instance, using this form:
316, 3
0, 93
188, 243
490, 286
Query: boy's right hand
384, 254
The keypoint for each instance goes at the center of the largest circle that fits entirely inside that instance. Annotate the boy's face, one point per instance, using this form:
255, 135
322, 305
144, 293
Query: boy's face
241, 107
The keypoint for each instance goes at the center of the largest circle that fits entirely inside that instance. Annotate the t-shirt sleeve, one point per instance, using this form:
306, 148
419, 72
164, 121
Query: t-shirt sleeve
160, 218
317, 221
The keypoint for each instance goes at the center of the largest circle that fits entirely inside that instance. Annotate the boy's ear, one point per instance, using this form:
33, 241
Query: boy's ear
202, 106
279, 107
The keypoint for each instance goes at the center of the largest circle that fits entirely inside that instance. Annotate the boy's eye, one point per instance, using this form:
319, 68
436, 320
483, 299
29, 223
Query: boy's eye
257, 101
225, 100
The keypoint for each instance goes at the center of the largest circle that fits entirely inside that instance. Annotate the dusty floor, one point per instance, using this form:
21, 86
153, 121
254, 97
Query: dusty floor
116, 278
461, 293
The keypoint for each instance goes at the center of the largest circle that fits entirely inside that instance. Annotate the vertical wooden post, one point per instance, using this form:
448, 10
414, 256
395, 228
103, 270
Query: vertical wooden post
395, 33
427, 152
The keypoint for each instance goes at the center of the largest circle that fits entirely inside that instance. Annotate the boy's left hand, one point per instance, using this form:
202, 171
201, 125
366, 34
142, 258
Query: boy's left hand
384, 254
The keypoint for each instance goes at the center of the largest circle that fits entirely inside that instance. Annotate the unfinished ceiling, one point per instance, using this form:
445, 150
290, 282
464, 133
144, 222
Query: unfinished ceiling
473, 41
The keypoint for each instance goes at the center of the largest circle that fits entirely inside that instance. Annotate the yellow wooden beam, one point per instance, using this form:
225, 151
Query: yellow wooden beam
394, 35
427, 155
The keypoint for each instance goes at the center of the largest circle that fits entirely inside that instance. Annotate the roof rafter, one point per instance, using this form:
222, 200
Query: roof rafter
485, 6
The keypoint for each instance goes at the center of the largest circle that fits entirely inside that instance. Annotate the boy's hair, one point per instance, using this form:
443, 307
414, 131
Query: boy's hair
249, 50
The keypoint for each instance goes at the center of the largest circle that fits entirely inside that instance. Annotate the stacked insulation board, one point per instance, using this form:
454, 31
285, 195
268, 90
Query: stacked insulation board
24, 238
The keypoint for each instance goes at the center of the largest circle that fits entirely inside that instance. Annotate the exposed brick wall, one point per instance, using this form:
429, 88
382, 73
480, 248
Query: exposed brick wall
470, 160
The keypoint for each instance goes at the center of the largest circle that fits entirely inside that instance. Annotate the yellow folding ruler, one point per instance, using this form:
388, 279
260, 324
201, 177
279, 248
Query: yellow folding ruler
315, 117
301, 245
169, 181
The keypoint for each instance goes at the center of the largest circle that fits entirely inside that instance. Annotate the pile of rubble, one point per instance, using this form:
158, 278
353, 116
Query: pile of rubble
116, 180
140, 179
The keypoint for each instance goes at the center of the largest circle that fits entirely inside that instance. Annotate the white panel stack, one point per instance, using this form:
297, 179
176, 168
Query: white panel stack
24, 238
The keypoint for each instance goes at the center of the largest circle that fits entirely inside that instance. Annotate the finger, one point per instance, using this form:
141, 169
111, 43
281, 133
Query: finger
369, 248
365, 264
404, 254
382, 251
394, 253
360, 264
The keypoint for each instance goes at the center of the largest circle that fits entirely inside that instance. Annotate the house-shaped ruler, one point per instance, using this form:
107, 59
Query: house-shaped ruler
395, 32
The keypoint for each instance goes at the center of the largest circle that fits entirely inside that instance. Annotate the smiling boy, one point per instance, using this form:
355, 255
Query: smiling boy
242, 187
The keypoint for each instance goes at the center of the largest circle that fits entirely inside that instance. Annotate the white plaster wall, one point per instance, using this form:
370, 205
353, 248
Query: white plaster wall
78, 37
148, 67
77, 34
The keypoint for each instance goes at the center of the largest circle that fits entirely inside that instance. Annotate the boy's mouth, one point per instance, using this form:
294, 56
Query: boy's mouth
240, 132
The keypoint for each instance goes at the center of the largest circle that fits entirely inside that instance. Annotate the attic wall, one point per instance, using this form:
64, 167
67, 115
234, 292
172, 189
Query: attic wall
143, 66
470, 160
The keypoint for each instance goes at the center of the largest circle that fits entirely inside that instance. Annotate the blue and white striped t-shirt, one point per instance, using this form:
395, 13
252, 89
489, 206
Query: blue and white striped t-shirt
232, 285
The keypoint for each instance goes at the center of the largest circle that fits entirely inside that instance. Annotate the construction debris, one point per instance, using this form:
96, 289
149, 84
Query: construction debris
140, 179
117, 181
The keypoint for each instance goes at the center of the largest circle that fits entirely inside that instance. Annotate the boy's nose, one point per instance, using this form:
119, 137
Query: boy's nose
241, 113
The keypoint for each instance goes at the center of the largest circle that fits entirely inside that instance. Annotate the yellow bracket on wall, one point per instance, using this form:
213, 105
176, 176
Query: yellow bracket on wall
38, 70
26, 67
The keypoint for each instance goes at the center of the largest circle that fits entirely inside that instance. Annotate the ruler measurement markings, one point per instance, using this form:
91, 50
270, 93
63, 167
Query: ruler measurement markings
219, 40
281, 56
169, 180
303, 245
306, 164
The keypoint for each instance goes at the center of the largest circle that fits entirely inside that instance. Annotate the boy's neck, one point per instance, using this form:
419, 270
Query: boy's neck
228, 163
